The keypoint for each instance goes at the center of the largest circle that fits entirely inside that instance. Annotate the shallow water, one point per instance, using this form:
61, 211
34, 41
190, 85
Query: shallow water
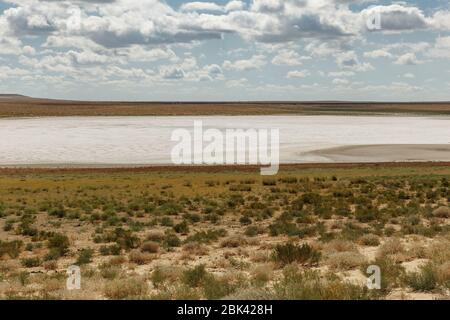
146, 140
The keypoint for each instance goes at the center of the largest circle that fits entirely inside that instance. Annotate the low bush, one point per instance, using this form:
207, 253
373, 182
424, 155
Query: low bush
195, 277
140, 258
150, 247
426, 279
58, 245
11, 248
85, 256
217, 288
31, 262
206, 237
369, 240
311, 285
112, 250
171, 240
129, 288
182, 227
442, 212
288, 253
345, 260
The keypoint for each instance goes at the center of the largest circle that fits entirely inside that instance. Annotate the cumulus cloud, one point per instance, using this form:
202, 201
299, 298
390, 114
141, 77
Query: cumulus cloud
441, 48
288, 58
255, 62
115, 41
380, 53
297, 74
350, 61
397, 17
408, 59
201, 6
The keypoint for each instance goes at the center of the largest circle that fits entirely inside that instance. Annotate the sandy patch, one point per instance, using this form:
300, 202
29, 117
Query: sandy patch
382, 153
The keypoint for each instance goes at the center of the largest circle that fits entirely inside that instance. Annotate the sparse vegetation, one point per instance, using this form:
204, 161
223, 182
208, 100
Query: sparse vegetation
302, 235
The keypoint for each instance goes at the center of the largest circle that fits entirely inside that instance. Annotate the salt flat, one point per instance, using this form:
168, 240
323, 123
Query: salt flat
146, 140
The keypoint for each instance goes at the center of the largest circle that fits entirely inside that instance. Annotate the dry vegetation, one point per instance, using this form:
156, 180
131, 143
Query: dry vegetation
305, 234
18, 106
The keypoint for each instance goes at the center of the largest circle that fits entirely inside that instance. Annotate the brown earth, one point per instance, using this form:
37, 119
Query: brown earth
219, 169
21, 106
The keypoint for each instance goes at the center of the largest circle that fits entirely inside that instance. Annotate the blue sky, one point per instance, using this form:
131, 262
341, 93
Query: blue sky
226, 49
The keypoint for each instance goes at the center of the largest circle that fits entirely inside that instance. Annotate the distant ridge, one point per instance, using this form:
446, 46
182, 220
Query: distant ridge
12, 96
20, 97
16, 105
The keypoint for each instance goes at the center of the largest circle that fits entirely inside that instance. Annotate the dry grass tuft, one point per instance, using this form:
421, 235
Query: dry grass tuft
150, 247
140, 258
345, 260
129, 288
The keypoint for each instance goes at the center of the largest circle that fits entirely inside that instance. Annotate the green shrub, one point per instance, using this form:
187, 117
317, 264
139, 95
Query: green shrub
58, 245
129, 288
269, 182
182, 227
12, 248
195, 277
253, 231
207, 236
311, 285
289, 253
59, 212
369, 240
85, 256
113, 250
215, 289
31, 262
167, 222
124, 238
426, 279
171, 240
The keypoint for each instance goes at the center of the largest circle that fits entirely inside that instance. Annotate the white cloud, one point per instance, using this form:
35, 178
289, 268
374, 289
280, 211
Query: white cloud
121, 41
288, 58
380, 53
341, 74
408, 59
397, 17
255, 62
201, 6
298, 74
234, 5
340, 82
237, 83
441, 48
349, 61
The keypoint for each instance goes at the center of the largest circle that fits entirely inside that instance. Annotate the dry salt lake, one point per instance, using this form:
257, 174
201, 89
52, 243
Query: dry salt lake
133, 141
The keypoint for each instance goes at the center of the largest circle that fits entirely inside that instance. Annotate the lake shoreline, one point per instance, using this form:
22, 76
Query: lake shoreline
17, 169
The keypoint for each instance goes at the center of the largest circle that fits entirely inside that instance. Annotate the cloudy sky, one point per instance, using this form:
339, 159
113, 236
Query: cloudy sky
226, 50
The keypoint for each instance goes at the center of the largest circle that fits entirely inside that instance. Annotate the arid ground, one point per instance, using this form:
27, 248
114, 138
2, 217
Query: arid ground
213, 233
20, 106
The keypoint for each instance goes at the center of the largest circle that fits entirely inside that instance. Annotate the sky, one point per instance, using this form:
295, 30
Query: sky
226, 50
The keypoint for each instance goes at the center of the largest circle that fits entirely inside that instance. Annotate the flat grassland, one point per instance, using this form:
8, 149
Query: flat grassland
180, 233
20, 106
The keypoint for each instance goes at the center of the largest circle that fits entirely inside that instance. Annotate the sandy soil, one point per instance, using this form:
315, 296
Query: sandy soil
386, 153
